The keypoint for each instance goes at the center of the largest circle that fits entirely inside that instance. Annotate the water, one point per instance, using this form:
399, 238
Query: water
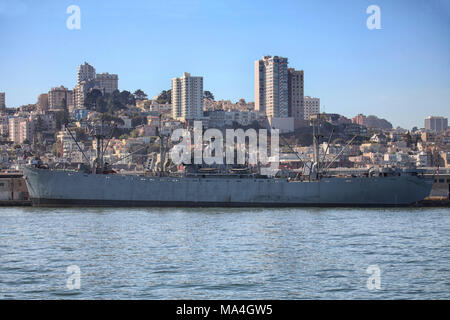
224, 253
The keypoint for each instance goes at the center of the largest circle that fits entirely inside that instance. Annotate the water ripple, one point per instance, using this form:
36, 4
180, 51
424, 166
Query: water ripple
224, 253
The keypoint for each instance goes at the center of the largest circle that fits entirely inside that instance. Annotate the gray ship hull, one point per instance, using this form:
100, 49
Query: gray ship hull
63, 188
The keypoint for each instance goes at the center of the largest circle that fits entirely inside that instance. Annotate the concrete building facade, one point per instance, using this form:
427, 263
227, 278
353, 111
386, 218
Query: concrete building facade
60, 97
311, 107
19, 130
187, 97
88, 80
296, 107
271, 86
108, 82
86, 72
2, 102
436, 124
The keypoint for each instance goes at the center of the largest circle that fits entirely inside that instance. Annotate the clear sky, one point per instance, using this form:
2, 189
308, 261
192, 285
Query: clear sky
401, 72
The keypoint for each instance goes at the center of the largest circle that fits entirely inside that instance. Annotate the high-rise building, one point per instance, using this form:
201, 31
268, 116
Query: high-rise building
187, 97
86, 72
89, 80
19, 130
2, 102
296, 94
271, 86
108, 82
436, 124
260, 86
311, 107
60, 98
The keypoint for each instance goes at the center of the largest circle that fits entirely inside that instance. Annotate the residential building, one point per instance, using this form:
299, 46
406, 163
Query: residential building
436, 124
271, 86
86, 72
2, 102
108, 82
19, 130
80, 114
296, 94
89, 80
187, 97
60, 98
4, 127
311, 107
70, 149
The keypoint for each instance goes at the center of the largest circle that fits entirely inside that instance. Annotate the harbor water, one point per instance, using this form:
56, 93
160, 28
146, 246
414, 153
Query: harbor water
176, 253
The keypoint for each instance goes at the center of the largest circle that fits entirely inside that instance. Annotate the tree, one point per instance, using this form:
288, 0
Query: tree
108, 117
127, 98
165, 97
134, 133
140, 95
90, 101
61, 117
101, 105
56, 149
80, 134
208, 95
138, 120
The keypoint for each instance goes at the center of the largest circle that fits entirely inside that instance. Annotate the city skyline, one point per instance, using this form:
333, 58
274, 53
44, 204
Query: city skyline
350, 68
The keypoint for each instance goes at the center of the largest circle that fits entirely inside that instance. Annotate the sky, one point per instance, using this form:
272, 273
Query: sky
400, 72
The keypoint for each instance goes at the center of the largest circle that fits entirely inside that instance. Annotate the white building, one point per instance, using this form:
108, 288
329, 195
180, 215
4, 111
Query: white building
20, 129
86, 72
436, 124
312, 106
69, 146
187, 97
271, 86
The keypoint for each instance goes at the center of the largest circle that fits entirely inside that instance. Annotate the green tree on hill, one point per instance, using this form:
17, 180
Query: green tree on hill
140, 95
208, 95
165, 97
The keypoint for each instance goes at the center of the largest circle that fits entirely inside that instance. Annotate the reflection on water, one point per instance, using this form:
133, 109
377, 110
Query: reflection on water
224, 253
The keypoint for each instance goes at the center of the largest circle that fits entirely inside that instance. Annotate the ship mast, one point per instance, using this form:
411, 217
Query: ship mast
316, 144
161, 146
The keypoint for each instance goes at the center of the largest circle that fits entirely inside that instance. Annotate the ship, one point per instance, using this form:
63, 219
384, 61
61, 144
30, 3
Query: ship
95, 186
70, 188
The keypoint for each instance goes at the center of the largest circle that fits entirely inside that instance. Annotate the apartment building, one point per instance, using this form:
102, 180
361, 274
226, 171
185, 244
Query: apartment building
60, 98
2, 102
311, 107
436, 124
20, 129
271, 86
187, 97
